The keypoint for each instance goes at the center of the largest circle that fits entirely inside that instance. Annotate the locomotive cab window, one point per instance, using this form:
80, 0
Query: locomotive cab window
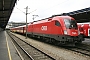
57, 23
70, 23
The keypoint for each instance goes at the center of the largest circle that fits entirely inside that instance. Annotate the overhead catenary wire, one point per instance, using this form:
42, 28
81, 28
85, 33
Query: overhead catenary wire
46, 8
21, 10
56, 5
24, 12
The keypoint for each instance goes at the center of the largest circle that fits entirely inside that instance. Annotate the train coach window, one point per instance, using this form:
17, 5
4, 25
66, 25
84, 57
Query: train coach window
57, 23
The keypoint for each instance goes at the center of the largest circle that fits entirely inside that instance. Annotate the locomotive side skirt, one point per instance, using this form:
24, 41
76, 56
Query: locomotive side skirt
60, 38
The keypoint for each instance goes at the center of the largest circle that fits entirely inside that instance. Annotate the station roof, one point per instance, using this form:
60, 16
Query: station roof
81, 16
6, 8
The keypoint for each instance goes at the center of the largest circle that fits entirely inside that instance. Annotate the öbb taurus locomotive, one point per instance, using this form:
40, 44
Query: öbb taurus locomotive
62, 29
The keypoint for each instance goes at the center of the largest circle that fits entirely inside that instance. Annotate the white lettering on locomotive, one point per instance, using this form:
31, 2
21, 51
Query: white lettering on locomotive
74, 33
44, 28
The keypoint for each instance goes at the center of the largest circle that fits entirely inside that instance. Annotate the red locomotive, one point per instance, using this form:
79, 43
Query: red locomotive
84, 29
62, 29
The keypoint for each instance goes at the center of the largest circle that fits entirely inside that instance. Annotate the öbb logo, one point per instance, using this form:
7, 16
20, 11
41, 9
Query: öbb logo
44, 28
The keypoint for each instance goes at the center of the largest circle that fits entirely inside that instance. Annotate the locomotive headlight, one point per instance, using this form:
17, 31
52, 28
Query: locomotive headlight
65, 32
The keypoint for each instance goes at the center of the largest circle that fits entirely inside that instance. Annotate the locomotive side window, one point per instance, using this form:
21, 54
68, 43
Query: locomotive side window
57, 23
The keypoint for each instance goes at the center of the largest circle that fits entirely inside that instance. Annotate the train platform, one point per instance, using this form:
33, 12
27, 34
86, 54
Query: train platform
7, 50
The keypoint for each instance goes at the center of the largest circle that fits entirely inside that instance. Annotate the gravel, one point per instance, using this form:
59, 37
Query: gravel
56, 52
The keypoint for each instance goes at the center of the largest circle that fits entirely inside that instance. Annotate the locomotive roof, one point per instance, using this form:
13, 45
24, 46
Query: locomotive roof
52, 18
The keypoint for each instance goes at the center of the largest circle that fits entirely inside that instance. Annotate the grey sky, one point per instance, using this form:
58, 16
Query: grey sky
45, 8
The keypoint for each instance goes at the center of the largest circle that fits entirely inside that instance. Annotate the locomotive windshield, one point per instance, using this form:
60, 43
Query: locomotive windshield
70, 23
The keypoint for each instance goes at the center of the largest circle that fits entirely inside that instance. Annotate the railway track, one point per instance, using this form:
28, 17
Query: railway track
31, 52
81, 48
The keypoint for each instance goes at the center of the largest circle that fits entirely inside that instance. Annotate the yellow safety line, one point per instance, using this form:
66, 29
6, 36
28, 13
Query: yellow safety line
8, 48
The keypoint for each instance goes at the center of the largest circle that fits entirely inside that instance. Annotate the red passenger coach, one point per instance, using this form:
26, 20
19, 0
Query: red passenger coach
19, 29
84, 29
59, 28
